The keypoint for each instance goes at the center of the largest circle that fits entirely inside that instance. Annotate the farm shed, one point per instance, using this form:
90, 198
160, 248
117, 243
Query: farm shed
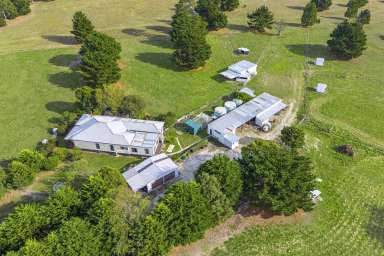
260, 109
117, 135
152, 173
240, 70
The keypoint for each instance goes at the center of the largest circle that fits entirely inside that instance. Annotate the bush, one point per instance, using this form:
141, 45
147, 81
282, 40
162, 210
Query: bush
32, 159
3, 181
70, 155
364, 17
131, 106
260, 19
8, 8
229, 5
210, 11
19, 174
241, 96
293, 137
22, 6
169, 118
322, 5
51, 163
47, 148
2, 21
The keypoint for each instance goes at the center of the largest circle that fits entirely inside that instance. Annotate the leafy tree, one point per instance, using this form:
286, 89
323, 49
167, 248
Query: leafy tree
75, 237
19, 174
131, 106
169, 118
149, 238
227, 173
50, 163
24, 223
86, 99
309, 17
2, 21
260, 19
99, 55
211, 189
352, 10
210, 11
22, 6
364, 17
348, 40
65, 121
358, 3
82, 26
8, 9
277, 177
293, 137
322, 5
188, 35
184, 212
108, 98
229, 5
32, 248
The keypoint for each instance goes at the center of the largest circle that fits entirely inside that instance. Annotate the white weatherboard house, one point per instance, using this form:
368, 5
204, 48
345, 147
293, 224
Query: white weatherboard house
261, 109
117, 135
151, 173
242, 70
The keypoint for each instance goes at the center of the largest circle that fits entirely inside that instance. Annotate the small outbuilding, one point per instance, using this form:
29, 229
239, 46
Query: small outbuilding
152, 173
194, 125
242, 50
319, 62
321, 88
248, 91
240, 71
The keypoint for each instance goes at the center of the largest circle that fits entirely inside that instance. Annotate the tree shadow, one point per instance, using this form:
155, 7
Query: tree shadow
6, 209
162, 29
381, 37
238, 27
67, 79
133, 31
162, 60
291, 24
162, 41
60, 106
342, 5
333, 18
295, 7
311, 50
64, 60
375, 225
66, 40
165, 21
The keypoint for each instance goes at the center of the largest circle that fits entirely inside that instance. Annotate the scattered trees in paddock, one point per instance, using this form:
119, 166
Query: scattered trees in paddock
309, 17
189, 38
358, 3
131, 106
22, 6
260, 19
210, 11
276, 177
229, 5
322, 5
99, 55
8, 9
348, 40
293, 137
82, 26
364, 17
352, 10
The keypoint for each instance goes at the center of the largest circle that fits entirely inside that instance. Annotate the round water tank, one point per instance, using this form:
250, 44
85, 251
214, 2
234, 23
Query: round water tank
238, 102
220, 111
230, 105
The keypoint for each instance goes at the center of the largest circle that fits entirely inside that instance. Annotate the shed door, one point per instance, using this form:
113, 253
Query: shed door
157, 183
169, 177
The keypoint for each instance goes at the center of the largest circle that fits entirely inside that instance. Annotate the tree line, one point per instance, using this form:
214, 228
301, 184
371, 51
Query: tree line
101, 216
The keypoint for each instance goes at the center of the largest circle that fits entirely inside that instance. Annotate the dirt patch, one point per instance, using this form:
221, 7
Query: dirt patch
122, 65
244, 219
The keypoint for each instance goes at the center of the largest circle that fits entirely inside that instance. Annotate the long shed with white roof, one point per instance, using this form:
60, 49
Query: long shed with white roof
260, 109
117, 135
151, 173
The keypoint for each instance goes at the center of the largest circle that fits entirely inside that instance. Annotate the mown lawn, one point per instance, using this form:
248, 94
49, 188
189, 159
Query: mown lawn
349, 220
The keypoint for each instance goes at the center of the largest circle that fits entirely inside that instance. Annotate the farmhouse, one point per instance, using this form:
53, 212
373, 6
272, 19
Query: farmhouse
242, 70
117, 135
259, 109
151, 173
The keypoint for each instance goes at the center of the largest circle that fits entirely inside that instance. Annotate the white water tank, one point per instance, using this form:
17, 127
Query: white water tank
238, 102
230, 105
220, 111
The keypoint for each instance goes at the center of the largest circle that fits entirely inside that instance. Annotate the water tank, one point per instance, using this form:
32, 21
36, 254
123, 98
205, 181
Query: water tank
220, 111
238, 102
230, 105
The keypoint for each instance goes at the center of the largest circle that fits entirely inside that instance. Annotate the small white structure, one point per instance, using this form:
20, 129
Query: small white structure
241, 71
248, 91
242, 50
219, 111
54, 131
44, 141
151, 173
117, 135
315, 195
319, 62
238, 102
230, 105
321, 88
259, 109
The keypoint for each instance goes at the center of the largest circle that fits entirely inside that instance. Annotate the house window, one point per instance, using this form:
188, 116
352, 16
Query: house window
112, 147
97, 146
134, 150
147, 151
123, 148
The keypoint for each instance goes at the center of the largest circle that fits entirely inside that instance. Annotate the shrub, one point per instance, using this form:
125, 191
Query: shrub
47, 148
364, 17
169, 118
70, 155
309, 17
3, 181
51, 163
293, 137
242, 96
22, 6
32, 159
2, 21
8, 8
131, 106
229, 5
260, 19
19, 174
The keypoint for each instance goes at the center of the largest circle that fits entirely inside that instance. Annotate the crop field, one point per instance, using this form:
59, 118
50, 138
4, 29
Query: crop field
36, 85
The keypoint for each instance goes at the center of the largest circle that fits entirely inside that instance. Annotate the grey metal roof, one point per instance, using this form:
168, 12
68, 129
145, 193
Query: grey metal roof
263, 107
248, 91
242, 66
149, 171
116, 130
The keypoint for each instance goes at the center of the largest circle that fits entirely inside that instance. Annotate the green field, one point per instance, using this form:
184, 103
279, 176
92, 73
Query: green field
37, 85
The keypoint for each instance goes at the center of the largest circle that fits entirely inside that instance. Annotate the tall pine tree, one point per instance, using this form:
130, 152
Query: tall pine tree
309, 17
322, 5
210, 11
260, 19
82, 26
229, 5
